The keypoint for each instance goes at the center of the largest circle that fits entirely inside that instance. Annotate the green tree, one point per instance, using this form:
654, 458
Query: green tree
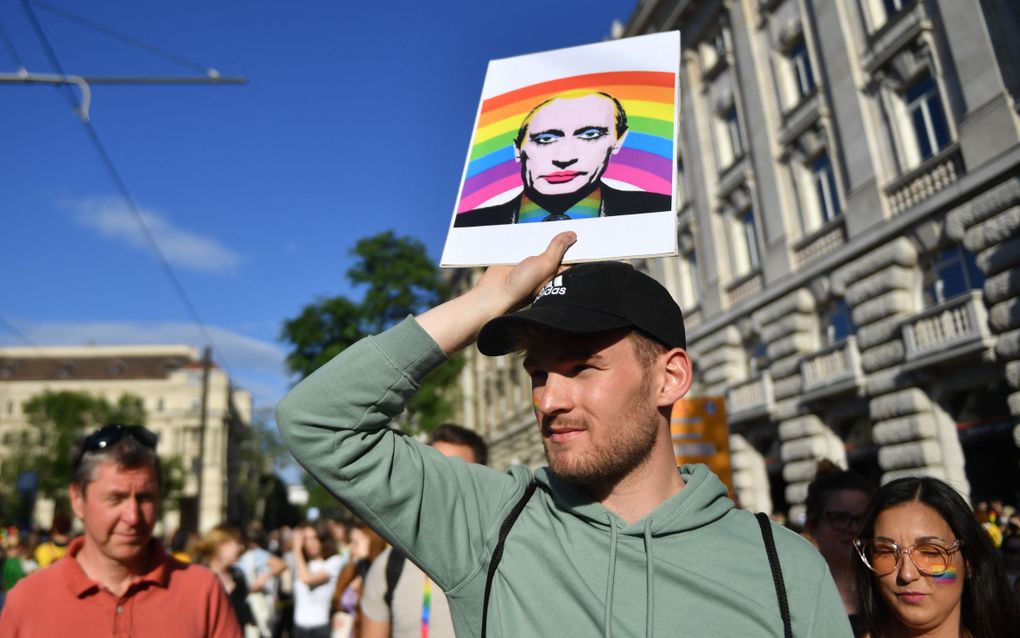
398, 279
56, 421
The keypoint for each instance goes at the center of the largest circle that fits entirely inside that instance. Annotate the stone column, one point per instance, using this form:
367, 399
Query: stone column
750, 478
789, 327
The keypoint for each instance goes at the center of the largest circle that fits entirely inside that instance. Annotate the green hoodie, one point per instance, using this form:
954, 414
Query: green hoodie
695, 566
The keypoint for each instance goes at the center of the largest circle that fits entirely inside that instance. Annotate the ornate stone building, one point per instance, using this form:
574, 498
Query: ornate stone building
849, 224
168, 380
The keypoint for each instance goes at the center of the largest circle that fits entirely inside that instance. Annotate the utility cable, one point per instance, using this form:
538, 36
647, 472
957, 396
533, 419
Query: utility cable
135, 42
122, 186
17, 333
10, 47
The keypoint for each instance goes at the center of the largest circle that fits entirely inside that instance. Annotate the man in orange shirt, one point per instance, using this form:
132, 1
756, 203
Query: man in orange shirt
116, 580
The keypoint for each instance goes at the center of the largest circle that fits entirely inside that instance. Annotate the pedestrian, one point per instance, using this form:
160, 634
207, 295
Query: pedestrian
834, 508
261, 571
928, 568
398, 599
316, 569
611, 539
219, 549
116, 579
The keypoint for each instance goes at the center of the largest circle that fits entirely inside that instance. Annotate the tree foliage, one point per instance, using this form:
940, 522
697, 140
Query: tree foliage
398, 279
56, 421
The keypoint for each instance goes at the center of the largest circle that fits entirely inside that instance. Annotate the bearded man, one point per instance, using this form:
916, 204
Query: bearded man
611, 539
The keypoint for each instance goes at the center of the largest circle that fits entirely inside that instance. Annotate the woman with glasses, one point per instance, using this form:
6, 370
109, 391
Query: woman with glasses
928, 568
835, 504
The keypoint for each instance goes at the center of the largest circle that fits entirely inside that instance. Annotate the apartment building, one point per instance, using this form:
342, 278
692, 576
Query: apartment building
169, 380
849, 229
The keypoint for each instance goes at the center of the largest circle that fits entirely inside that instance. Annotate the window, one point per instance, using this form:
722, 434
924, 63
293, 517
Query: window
839, 323
713, 50
733, 132
160, 405
10, 407
824, 183
745, 244
892, 7
881, 11
927, 119
751, 237
729, 143
801, 82
954, 272
757, 356
681, 190
688, 285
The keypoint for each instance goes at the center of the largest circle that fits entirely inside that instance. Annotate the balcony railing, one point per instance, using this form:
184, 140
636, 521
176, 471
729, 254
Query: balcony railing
750, 399
832, 369
943, 330
932, 176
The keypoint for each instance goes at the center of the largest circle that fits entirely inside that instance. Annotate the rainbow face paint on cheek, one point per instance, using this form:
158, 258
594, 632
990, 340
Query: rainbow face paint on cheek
947, 578
534, 406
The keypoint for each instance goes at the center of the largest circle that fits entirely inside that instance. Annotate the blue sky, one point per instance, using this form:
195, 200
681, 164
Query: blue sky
355, 119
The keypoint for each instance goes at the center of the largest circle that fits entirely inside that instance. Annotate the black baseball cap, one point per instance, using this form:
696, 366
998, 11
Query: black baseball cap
592, 298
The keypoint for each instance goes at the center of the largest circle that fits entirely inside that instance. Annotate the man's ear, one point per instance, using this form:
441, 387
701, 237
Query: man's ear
517, 154
77, 500
619, 142
676, 376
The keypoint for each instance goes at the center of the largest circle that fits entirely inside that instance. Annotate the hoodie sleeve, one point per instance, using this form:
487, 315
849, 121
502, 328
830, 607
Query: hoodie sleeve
830, 617
439, 511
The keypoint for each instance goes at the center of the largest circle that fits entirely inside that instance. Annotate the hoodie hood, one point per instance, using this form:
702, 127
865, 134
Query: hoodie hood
702, 501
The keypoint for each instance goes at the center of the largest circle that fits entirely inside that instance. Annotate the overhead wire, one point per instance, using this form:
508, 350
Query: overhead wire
9, 43
123, 37
122, 188
17, 333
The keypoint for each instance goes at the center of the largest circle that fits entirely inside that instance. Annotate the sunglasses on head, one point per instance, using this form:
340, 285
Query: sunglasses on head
109, 435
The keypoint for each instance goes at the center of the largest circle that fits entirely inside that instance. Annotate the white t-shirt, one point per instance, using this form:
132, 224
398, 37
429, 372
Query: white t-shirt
311, 605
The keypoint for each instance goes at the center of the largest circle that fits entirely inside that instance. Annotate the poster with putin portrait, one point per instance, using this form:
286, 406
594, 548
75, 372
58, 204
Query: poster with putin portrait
580, 139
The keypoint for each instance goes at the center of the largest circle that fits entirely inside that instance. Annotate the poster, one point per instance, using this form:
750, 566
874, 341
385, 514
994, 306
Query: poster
580, 139
701, 435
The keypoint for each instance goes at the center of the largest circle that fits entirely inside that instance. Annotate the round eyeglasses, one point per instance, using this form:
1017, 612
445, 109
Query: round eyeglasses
843, 521
929, 557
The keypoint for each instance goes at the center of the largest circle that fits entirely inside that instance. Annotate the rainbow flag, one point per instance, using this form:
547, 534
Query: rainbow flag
645, 162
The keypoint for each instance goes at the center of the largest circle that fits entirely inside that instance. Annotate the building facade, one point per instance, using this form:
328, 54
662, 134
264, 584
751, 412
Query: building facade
169, 380
849, 228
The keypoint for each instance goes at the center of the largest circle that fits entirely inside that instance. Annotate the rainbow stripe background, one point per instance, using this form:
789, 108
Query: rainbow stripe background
645, 162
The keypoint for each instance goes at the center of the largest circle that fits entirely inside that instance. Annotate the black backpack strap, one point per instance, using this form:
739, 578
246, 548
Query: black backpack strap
777, 571
497, 553
394, 567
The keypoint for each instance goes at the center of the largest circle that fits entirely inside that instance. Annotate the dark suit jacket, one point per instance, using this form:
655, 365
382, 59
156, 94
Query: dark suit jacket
614, 202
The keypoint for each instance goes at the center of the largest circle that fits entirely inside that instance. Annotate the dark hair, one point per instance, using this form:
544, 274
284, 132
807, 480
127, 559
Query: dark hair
457, 435
325, 536
61, 523
127, 452
829, 479
985, 588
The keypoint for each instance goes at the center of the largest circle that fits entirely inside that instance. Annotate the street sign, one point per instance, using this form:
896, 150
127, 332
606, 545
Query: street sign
701, 435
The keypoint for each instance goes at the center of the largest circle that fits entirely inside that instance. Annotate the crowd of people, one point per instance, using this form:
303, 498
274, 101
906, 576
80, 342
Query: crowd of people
327, 577
610, 538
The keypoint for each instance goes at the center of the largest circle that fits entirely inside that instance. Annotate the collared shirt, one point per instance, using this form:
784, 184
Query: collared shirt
171, 599
587, 208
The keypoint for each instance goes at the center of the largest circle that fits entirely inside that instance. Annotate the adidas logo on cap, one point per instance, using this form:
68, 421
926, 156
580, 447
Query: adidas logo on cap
554, 287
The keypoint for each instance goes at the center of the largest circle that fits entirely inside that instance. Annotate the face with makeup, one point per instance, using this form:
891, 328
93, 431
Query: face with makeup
919, 602
568, 142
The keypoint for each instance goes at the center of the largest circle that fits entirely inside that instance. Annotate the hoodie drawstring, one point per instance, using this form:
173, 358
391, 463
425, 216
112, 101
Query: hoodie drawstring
607, 621
650, 576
